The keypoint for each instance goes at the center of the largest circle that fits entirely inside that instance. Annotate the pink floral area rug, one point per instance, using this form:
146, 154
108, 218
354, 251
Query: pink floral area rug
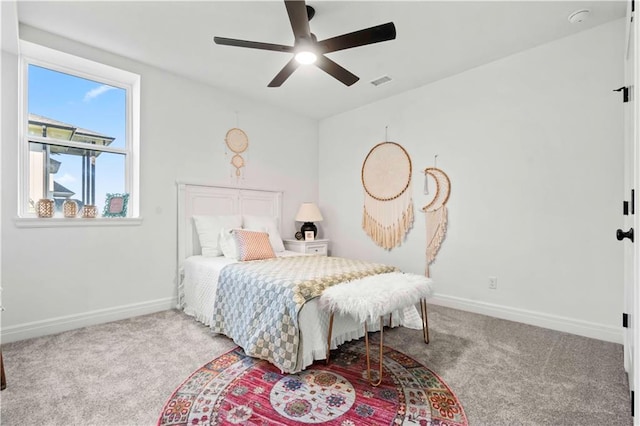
237, 389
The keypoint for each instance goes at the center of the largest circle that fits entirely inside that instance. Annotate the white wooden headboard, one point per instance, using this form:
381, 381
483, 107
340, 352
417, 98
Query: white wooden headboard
202, 199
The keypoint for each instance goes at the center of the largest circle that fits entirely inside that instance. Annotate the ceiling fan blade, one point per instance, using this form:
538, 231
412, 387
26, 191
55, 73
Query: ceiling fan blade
297, 11
370, 35
252, 44
284, 73
335, 70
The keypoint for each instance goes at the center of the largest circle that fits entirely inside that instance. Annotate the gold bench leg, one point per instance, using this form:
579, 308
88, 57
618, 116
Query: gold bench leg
366, 344
329, 338
425, 323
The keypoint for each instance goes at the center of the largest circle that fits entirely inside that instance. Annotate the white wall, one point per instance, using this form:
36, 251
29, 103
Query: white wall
61, 278
533, 145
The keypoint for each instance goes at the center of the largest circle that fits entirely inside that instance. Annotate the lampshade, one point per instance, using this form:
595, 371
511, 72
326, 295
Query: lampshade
308, 212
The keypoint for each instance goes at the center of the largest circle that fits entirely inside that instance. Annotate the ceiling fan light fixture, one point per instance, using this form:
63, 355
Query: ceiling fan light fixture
306, 57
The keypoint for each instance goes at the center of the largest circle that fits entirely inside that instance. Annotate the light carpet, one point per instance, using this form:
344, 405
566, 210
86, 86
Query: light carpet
504, 373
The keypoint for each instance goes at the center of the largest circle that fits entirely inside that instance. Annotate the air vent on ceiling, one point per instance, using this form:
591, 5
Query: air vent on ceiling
382, 80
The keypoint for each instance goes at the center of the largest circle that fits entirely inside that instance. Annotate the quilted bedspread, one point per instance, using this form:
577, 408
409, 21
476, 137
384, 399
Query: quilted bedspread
257, 303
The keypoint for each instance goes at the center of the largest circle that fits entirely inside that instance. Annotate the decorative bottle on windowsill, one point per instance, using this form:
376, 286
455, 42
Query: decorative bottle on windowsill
45, 207
70, 208
89, 211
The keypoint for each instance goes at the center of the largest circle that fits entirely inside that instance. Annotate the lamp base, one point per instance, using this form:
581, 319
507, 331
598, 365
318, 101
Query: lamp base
309, 226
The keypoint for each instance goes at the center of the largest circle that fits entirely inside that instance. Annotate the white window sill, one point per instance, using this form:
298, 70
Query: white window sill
60, 222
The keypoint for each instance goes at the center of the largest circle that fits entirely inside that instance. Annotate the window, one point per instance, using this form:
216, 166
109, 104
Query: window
79, 131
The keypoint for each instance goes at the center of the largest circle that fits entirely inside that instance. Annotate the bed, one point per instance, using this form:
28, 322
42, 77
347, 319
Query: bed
200, 289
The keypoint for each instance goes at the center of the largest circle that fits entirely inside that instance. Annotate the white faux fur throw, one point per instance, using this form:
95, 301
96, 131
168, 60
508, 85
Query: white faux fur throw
371, 297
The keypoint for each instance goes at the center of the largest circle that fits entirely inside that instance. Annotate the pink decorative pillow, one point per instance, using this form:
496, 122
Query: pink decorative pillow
252, 245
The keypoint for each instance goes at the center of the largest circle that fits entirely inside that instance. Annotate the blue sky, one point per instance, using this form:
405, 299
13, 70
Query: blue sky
90, 105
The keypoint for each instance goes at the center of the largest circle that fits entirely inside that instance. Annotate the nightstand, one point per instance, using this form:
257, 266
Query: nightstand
319, 247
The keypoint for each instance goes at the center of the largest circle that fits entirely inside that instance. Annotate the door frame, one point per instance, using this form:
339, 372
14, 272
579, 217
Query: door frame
633, 35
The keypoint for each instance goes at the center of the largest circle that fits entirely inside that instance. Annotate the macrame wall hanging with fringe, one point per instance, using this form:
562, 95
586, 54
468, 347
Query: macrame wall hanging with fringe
237, 142
388, 203
436, 211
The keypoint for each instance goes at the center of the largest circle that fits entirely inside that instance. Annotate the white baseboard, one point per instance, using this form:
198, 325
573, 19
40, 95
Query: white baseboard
69, 322
568, 325
553, 322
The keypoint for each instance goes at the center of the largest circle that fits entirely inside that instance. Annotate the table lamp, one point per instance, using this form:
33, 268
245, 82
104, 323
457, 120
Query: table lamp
309, 213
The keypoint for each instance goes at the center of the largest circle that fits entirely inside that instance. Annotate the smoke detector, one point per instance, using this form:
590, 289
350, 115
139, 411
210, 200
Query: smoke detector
579, 16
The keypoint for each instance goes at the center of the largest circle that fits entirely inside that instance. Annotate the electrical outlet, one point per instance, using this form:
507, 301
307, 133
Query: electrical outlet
493, 283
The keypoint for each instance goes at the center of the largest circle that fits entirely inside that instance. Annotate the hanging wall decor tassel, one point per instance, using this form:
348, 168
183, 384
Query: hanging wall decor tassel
388, 202
436, 214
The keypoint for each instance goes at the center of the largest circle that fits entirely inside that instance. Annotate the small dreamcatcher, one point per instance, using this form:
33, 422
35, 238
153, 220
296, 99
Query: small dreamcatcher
238, 142
388, 203
436, 212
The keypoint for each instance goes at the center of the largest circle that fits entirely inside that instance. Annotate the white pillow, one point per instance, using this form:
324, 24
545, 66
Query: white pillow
208, 228
228, 244
265, 224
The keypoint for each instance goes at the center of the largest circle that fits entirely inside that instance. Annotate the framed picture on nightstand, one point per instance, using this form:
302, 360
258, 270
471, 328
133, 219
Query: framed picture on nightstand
308, 236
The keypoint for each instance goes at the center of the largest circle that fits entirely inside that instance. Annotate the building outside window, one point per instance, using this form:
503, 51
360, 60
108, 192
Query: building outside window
79, 133
63, 172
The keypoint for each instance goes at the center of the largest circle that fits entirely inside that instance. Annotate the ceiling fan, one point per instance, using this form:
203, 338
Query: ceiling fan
307, 49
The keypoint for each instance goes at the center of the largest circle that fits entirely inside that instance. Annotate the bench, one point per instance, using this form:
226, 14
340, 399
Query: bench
375, 297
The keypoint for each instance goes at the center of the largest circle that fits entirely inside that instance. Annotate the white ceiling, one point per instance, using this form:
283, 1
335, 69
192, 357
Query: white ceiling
435, 39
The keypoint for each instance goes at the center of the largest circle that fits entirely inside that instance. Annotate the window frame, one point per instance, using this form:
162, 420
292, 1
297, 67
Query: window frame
37, 55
